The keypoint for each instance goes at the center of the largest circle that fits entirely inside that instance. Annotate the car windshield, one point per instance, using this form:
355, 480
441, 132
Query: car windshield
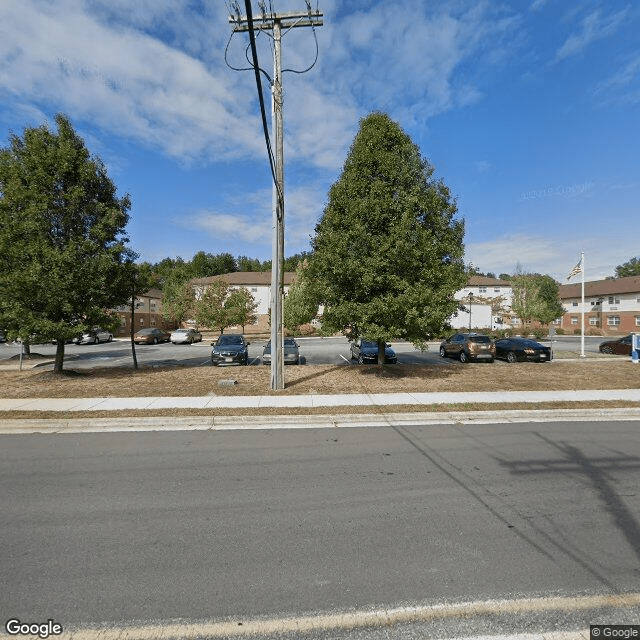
181, 331
230, 340
146, 332
368, 344
530, 344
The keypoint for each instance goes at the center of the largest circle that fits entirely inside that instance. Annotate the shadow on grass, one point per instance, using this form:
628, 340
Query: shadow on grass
312, 376
397, 371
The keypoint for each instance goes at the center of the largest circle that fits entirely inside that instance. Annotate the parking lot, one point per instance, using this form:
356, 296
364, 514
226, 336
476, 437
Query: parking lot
313, 351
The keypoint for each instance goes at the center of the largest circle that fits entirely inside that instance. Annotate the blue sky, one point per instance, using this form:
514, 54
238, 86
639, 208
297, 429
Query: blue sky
528, 110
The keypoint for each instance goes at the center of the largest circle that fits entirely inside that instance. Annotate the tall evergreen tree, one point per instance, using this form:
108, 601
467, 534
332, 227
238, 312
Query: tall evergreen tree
388, 251
62, 237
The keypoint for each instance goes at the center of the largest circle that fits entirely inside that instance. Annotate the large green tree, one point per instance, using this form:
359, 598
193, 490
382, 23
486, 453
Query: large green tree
62, 237
629, 268
388, 250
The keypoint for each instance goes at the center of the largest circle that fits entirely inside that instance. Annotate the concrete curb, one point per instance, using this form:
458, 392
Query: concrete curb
393, 420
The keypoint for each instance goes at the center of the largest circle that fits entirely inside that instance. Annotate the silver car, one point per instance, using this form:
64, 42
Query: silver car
291, 352
95, 336
185, 336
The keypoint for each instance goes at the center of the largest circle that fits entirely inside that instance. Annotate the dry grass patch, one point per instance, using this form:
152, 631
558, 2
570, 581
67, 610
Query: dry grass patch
180, 381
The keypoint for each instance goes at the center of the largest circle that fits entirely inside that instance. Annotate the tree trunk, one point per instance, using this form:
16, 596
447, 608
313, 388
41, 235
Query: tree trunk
132, 332
59, 362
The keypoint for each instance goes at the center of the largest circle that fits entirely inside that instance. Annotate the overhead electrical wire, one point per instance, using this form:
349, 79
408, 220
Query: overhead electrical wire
263, 112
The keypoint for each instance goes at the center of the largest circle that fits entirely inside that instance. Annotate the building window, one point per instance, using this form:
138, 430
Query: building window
254, 289
614, 300
496, 290
613, 321
574, 319
575, 304
142, 321
593, 322
153, 322
482, 290
637, 321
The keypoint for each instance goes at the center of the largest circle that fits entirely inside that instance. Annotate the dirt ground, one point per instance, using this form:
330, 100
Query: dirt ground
320, 379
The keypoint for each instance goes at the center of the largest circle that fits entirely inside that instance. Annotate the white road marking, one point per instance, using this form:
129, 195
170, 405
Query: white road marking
360, 619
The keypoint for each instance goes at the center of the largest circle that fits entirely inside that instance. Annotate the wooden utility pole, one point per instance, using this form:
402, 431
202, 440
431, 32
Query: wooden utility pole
276, 23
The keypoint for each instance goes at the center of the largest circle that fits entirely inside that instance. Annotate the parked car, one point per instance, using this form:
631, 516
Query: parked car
522, 349
366, 352
95, 336
152, 335
622, 346
468, 346
231, 348
2, 338
291, 352
185, 336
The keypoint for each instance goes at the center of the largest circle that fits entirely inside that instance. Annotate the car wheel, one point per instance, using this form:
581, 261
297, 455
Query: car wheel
155, 341
110, 338
464, 358
606, 350
511, 357
97, 340
360, 360
443, 353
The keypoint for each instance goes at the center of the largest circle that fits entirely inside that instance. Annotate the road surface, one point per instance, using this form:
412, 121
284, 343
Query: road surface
111, 530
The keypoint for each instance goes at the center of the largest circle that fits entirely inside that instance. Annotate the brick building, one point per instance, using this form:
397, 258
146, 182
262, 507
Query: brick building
148, 314
611, 306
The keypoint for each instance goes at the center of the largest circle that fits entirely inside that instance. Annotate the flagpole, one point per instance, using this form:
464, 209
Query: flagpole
582, 333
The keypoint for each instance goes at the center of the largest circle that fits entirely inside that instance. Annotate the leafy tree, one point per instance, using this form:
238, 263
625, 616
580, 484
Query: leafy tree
210, 309
388, 252
629, 268
204, 264
535, 298
62, 237
178, 299
241, 307
301, 303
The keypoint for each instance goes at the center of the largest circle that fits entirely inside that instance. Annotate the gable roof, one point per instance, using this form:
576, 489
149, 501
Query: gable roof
595, 288
245, 278
484, 281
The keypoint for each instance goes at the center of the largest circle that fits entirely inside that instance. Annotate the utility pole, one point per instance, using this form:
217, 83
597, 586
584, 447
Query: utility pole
276, 24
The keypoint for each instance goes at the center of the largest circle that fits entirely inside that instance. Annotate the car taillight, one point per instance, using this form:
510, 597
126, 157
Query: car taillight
530, 351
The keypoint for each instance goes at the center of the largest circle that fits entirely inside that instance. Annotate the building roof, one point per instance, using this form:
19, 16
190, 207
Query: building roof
597, 288
152, 293
484, 281
246, 278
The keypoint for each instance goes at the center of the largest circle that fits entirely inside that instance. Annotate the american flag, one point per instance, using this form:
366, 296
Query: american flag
576, 270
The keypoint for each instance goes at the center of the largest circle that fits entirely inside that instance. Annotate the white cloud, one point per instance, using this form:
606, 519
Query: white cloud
126, 81
595, 27
551, 254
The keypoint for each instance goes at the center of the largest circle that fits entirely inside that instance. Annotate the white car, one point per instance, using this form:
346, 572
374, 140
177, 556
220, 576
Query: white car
185, 336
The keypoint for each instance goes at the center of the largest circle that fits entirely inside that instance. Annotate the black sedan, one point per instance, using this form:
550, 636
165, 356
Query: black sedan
366, 352
231, 348
521, 350
622, 346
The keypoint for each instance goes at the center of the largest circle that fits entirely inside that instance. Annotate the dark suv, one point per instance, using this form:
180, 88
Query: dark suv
230, 349
469, 346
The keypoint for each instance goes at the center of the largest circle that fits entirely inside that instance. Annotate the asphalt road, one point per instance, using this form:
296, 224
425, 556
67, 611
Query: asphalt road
106, 530
332, 351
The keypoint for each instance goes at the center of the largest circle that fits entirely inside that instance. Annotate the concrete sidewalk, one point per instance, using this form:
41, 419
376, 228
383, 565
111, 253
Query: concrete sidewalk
311, 401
